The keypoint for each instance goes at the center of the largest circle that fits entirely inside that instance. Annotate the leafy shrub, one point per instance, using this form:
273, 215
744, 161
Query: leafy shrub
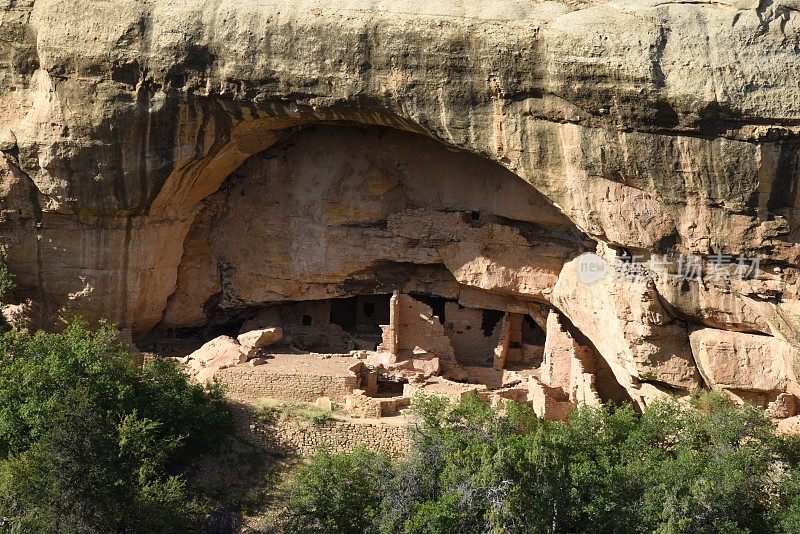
337, 492
698, 467
296, 409
92, 442
7, 281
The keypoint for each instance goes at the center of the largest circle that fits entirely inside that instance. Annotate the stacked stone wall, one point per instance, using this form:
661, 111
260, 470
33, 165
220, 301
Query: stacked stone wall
284, 434
249, 382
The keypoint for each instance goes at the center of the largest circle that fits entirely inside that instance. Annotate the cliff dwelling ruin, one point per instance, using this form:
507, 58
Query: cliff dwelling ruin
466, 163
387, 248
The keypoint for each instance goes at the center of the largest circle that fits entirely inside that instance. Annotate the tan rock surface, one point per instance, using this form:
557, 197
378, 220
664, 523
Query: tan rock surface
219, 353
790, 425
199, 97
124, 124
255, 340
361, 215
734, 360
625, 320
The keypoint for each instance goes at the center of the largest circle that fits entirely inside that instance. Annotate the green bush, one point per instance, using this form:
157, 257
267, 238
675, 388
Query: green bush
698, 467
92, 442
7, 282
267, 408
337, 492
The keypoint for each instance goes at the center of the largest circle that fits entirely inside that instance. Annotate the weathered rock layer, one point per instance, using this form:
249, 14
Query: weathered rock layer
183, 163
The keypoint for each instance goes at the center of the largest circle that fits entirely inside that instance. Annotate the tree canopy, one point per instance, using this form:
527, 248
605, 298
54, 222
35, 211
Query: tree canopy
705, 466
90, 441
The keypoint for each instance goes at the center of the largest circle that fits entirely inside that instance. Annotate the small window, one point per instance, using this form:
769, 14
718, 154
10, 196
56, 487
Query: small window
306, 320
490, 320
369, 309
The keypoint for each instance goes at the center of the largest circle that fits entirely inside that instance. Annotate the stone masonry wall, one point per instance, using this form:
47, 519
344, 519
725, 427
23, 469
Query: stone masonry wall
291, 435
415, 327
463, 328
246, 381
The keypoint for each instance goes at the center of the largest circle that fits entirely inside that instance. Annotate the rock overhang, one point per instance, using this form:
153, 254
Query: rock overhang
654, 127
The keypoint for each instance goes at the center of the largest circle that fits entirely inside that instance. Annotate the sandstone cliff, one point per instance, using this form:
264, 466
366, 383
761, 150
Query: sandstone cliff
167, 162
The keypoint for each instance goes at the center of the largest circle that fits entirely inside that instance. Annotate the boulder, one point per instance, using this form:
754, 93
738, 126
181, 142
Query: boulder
255, 340
739, 361
457, 374
625, 320
427, 367
790, 425
219, 353
324, 403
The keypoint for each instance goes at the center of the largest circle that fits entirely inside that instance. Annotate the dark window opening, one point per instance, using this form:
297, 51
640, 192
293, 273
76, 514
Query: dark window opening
389, 387
490, 320
343, 313
532, 333
306, 320
361, 314
373, 312
475, 215
436, 304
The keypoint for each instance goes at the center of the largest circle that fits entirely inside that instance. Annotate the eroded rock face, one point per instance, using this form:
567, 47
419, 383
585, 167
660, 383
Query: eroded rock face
737, 361
152, 171
255, 340
341, 211
625, 319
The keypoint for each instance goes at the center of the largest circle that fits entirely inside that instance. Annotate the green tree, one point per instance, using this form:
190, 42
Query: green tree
337, 493
92, 442
701, 466
7, 281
